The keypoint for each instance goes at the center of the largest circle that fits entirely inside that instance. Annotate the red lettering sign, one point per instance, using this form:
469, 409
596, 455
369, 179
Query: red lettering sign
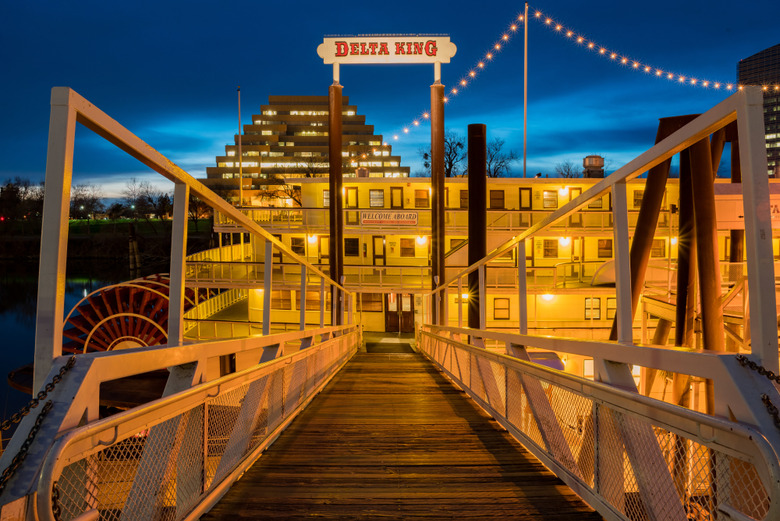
430, 48
341, 48
399, 48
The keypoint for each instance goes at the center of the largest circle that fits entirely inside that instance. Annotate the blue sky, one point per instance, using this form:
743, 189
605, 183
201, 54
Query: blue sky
168, 70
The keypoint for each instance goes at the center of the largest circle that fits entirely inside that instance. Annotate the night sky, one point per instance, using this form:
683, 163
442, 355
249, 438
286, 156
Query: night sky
168, 71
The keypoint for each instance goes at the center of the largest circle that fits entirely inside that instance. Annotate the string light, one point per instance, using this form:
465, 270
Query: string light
584, 42
636, 64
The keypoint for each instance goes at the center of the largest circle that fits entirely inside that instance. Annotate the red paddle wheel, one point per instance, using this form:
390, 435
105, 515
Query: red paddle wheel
122, 316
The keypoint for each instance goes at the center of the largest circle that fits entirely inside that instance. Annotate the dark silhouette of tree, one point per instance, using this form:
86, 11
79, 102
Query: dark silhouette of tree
454, 155
499, 163
567, 169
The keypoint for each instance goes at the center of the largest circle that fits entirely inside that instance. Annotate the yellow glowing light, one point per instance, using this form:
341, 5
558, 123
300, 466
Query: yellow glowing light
670, 76
446, 99
558, 27
422, 240
498, 47
312, 239
548, 21
548, 297
416, 123
658, 72
406, 131
463, 82
464, 296
563, 192
564, 241
454, 91
489, 56
538, 14
513, 26
602, 51
569, 34
682, 79
705, 83
693, 81
425, 115
728, 86
647, 69
624, 61
472, 74
480, 65
635, 65
591, 45
580, 39
395, 137
505, 37
674, 241
613, 55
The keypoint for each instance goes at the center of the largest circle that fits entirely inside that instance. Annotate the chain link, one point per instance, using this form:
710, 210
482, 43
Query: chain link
771, 408
19, 458
55, 501
49, 387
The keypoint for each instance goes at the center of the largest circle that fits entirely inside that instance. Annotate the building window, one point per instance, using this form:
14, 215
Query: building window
407, 247
421, 198
298, 245
496, 199
370, 302
376, 198
638, 194
605, 249
500, 309
596, 204
611, 307
659, 248
550, 199
281, 299
351, 199
326, 198
313, 301
525, 198
593, 308
550, 248
352, 247
464, 198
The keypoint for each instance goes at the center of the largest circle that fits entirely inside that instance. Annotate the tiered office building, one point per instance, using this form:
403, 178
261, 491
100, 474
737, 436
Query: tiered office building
763, 68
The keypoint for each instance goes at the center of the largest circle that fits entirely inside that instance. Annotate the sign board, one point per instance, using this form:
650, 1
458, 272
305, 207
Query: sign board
387, 49
388, 218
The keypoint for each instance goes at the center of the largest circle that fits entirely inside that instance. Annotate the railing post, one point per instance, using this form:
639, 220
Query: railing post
181, 196
54, 235
482, 298
622, 262
322, 302
267, 276
460, 302
522, 290
303, 297
758, 228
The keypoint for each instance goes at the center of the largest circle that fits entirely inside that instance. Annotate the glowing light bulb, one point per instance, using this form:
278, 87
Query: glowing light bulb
602, 50
395, 137
548, 21
505, 37
538, 14
624, 61
422, 240
454, 91
446, 99
580, 39
658, 72
312, 239
464, 296
480, 65
416, 123
406, 131
613, 55
674, 241
472, 74
591, 45
489, 56
463, 82
558, 27
425, 115
569, 34
498, 47
513, 26
548, 297
564, 241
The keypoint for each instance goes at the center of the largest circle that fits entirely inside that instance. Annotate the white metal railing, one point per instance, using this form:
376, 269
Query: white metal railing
215, 304
734, 390
631, 456
175, 457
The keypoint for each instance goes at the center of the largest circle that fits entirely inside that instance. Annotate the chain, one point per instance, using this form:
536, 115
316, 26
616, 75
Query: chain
19, 458
55, 501
17, 417
770, 407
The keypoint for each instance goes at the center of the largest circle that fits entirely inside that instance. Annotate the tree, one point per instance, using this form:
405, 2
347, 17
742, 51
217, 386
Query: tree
197, 208
454, 155
85, 201
499, 163
568, 170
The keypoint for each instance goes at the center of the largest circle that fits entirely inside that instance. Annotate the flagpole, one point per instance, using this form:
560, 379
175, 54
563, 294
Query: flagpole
240, 156
525, 90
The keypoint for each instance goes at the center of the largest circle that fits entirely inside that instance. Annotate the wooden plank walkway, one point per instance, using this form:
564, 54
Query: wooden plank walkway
390, 438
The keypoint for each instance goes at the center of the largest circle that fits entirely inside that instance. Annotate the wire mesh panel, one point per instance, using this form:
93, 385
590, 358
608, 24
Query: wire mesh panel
165, 469
630, 463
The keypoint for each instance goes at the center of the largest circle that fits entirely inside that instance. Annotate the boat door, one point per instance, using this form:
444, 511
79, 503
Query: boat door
324, 247
399, 313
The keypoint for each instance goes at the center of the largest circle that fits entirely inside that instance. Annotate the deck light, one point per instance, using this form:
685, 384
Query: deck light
564, 241
674, 241
312, 239
548, 297
422, 240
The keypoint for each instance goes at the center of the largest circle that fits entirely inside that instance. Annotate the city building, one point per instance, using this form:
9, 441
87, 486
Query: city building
763, 68
289, 139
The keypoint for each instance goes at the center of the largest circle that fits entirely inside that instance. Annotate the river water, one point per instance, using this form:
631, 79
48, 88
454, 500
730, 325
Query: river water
18, 293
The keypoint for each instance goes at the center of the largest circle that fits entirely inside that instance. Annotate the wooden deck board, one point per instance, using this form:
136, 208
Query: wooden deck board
390, 438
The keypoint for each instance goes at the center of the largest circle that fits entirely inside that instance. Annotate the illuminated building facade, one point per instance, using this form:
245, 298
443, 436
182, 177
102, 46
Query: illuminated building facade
289, 139
763, 68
